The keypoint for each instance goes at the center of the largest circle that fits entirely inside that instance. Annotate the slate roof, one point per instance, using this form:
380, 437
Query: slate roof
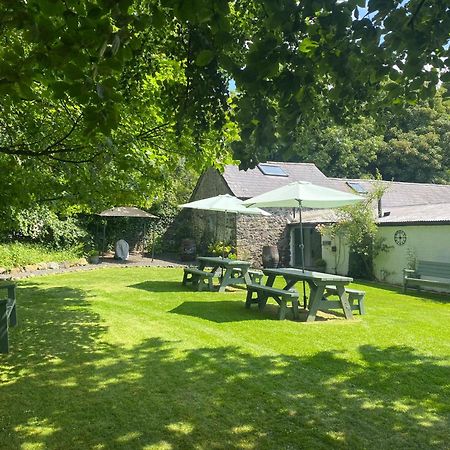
406, 202
400, 193
417, 214
249, 183
435, 213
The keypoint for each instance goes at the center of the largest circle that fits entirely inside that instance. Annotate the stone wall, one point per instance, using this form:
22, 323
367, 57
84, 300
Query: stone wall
247, 233
255, 232
208, 226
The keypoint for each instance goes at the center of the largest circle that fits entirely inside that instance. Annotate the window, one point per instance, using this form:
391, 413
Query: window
357, 187
275, 171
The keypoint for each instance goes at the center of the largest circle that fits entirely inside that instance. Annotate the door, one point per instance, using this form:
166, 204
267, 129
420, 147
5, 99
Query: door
313, 246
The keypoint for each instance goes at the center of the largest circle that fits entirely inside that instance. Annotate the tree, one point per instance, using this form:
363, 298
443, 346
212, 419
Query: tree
75, 78
410, 143
304, 58
338, 150
417, 142
356, 225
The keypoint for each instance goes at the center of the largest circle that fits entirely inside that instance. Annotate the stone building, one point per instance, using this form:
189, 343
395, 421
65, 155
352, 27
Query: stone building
418, 212
249, 234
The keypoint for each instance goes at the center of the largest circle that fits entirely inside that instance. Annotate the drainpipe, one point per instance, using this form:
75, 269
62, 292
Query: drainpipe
380, 209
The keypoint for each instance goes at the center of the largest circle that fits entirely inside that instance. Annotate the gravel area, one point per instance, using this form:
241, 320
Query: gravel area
133, 261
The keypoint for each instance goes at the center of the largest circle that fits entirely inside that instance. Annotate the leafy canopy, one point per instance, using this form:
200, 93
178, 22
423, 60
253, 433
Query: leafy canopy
102, 100
407, 144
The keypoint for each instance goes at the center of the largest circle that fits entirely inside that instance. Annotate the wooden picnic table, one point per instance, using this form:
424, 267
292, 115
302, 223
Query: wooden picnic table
317, 282
230, 275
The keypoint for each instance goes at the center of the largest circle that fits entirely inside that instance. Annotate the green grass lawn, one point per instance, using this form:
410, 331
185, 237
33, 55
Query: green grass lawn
128, 358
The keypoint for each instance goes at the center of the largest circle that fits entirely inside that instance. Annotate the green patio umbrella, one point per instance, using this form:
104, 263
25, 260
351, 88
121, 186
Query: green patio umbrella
224, 203
302, 194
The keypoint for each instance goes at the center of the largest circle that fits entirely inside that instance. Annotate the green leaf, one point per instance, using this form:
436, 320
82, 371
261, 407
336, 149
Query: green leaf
50, 8
204, 58
307, 45
445, 77
74, 71
25, 91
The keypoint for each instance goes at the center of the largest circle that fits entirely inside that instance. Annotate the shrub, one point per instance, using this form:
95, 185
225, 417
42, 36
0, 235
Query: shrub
357, 225
19, 254
42, 225
219, 248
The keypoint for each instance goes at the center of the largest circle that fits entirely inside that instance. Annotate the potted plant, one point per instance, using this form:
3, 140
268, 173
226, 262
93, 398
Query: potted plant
320, 264
93, 256
221, 249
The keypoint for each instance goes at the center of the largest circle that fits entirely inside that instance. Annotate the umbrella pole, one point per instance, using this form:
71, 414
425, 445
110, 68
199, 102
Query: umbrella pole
153, 241
144, 239
302, 248
224, 235
223, 245
104, 237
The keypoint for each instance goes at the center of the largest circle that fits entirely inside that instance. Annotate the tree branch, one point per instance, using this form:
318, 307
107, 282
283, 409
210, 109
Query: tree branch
80, 161
55, 147
415, 13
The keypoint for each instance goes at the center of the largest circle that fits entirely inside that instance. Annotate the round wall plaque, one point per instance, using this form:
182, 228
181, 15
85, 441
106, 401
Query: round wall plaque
400, 237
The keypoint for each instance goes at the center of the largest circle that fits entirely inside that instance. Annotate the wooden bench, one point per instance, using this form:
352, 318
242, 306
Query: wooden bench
355, 298
198, 278
8, 315
414, 278
255, 275
263, 293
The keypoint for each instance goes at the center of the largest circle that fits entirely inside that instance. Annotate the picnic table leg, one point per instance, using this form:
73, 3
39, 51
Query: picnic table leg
226, 280
283, 307
249, 299
270, 280
246, 276
4, 345
344, 302
289, 284
314, 303
13, 313
295, 308
198, 283
262, 300
13, 316
12, 291
185, 279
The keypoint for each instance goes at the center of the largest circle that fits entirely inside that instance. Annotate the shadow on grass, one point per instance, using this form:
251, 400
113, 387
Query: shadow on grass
177, 286
223, 311
161, 286
65, 388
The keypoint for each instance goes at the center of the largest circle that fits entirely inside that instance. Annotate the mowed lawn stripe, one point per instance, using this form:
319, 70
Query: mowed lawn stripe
128, 358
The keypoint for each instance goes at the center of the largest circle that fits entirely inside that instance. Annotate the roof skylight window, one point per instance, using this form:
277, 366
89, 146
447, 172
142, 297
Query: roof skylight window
272, 170
357, 187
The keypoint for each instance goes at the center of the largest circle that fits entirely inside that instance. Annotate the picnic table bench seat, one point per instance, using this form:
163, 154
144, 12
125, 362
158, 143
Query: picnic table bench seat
255, 275
281, 296
199, 278
8, 315
355, 298
429, 270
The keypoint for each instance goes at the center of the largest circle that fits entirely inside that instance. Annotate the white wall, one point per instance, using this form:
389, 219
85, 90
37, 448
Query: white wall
424, 242
336, 254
